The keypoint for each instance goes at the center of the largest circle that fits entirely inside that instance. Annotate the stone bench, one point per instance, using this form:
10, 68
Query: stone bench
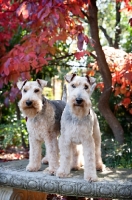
17, 183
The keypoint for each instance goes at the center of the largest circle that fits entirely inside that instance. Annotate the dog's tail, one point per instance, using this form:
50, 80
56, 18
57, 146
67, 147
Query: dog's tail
64, 94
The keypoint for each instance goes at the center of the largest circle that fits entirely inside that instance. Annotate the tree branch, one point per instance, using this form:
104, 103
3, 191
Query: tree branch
63, 57
109, 39
86, 15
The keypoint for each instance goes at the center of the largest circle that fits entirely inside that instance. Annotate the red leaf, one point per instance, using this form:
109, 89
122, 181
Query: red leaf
16, 65
40, 12
1, 69
100, 86
78, 55
1, 83
76, 10
128, 76
44, 13
24, 9
55, 18
130, 21
34, 64
6, 67
6, 79
21, 56
86, 39
42, 61
126, 102
130, 111
14, 76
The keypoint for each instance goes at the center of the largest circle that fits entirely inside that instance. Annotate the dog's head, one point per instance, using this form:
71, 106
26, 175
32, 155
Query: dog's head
80, 90
31, 102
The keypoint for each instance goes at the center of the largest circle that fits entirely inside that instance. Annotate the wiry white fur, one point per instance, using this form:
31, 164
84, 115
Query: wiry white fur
79, 125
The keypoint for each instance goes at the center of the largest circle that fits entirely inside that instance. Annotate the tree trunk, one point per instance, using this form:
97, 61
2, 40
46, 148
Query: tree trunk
117, 25
106, 75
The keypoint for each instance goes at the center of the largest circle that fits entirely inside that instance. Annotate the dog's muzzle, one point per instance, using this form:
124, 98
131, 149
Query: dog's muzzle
78, 101
28, 103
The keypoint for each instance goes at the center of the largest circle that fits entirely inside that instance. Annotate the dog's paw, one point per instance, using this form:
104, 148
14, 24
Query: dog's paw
76, 166
32, 168
50, 170
92, 178
61, 173
100, 167
44, 160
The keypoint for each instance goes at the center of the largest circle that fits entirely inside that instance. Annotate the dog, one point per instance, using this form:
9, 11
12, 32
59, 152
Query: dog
79, 125
43, 123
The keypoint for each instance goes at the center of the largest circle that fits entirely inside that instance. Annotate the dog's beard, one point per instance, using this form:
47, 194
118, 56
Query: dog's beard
30, 111
81, 110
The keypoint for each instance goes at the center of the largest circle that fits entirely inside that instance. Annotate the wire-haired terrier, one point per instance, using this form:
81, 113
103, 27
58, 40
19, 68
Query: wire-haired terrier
79, 125
43, 123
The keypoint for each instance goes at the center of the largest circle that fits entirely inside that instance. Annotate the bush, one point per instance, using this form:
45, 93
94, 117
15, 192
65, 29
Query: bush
13, 134
113, 154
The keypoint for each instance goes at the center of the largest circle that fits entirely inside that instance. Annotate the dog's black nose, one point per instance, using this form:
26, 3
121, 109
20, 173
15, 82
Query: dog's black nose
79, 100
28, 103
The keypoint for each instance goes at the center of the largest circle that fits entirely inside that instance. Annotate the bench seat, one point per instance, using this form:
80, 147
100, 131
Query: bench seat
113, 184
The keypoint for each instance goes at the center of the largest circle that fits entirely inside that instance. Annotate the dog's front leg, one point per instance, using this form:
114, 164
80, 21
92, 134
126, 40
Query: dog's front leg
34, 155
52, 154
65, 158
89, 159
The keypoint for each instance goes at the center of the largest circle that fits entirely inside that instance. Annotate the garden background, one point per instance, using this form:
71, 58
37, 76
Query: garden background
48, 38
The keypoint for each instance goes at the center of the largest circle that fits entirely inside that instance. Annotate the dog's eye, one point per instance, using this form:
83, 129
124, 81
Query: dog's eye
73, 86
25, 90
86, 87
36, 90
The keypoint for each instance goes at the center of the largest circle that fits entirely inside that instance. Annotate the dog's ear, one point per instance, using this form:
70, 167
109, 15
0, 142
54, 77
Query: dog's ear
20, 84
91, 80
69, 77
42, 83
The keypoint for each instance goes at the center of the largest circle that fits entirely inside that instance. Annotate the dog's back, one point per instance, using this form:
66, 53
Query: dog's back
58, 106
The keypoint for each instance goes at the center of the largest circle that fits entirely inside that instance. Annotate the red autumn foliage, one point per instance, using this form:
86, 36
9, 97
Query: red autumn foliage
120, 65
127, 8
43, 23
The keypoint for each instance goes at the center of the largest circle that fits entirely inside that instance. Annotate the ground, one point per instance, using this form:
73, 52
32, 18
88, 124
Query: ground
13, 153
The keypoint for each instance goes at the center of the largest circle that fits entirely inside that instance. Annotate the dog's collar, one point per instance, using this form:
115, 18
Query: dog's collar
88, 113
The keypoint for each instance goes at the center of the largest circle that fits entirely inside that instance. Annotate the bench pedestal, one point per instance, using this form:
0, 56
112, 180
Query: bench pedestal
19, 194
